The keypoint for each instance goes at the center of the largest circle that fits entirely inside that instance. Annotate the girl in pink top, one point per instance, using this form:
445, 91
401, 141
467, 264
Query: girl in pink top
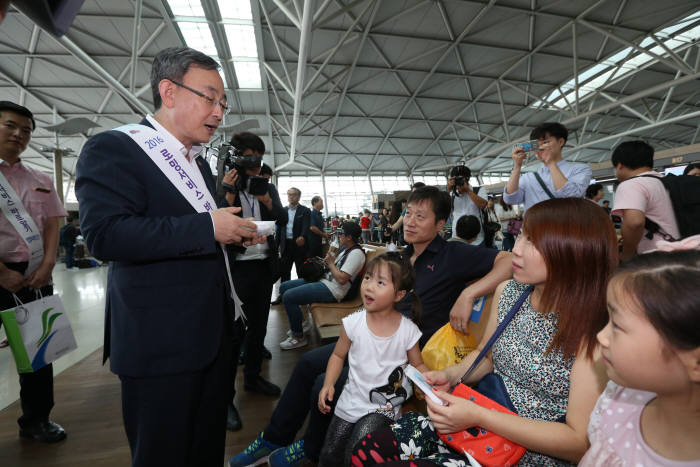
649, 413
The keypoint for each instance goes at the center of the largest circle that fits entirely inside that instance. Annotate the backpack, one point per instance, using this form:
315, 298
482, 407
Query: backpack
684, 191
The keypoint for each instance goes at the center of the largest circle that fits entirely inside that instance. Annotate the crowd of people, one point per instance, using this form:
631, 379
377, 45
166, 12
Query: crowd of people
576, 306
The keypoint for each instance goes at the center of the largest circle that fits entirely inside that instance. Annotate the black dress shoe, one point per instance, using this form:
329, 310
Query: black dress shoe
277, 301
45, 432
233, 420
266, 354
261, 386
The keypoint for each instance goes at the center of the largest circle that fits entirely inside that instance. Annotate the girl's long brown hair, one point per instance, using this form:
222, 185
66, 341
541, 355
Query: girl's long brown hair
579, 246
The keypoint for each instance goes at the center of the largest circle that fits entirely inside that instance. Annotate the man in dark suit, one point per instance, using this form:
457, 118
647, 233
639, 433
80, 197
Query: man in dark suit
169, 322
294, 238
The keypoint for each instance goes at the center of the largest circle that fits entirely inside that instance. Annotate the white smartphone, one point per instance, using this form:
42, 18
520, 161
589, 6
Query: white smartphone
420, 381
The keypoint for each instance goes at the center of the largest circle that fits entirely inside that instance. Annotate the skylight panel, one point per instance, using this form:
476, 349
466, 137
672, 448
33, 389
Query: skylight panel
241, 40
198, 36
623, 63
186, 7
248, 75
237, 19
235, 9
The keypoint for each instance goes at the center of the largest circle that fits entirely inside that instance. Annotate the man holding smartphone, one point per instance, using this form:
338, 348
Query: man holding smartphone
556, 179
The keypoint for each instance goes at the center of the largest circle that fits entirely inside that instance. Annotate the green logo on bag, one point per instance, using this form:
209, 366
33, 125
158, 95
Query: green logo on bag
47, 324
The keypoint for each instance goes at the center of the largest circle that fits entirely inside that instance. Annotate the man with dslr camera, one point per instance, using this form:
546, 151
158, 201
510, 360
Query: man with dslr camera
465, 202
256, 267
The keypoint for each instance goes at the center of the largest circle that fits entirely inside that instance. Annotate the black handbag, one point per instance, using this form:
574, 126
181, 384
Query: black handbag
313, 269
491, 228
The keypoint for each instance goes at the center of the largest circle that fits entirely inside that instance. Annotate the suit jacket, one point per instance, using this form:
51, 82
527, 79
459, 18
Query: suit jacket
166, 305
302, 220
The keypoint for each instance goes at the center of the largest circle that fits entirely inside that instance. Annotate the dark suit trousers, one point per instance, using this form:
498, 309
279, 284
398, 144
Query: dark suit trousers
179, 419
293, 254
253, 286
36, 389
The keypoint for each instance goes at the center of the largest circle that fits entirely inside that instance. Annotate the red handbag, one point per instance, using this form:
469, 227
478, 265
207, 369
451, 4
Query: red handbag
488, 448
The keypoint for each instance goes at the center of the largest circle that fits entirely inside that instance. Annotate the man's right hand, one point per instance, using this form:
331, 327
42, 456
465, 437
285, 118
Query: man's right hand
11, 280
518, 155
229, 228
450, 183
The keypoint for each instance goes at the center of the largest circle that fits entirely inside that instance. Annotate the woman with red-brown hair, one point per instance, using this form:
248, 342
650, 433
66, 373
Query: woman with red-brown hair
545, 357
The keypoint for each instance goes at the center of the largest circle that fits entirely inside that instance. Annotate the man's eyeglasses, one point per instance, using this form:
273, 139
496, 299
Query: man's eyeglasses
225, 109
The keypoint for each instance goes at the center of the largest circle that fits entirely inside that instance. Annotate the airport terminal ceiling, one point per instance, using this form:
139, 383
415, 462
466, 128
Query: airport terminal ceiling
376, 86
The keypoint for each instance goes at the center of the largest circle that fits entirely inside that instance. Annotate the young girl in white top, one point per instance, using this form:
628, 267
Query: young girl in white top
649, 413
378, 341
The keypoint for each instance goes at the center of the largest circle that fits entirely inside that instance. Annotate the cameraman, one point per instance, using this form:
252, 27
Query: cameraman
465, 202
258, 266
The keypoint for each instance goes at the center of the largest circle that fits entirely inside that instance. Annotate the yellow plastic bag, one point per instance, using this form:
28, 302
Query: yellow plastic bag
447, 347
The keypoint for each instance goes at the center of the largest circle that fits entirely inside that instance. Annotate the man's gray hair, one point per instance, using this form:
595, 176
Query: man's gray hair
172, 63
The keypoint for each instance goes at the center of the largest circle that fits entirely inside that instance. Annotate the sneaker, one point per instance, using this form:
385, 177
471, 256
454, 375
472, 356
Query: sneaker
256, 453
292, 342
305, 327
292, 455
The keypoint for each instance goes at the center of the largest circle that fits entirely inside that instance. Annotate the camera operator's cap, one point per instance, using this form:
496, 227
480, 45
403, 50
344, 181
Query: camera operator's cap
18, 109
352, 229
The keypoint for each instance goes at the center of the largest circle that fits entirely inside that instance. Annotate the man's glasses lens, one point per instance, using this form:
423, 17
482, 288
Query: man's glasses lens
209, 100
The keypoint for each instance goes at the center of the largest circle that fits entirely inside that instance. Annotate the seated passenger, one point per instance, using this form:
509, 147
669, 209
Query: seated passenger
442, 270
653, 304
467, 230
333, 287
545, 356
378, 342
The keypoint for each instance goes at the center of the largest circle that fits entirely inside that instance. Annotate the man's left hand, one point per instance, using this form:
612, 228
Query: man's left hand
459, 316
40, 277
300, 241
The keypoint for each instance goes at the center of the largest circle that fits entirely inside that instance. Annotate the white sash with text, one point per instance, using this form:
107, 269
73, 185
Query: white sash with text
15, 212
174, 166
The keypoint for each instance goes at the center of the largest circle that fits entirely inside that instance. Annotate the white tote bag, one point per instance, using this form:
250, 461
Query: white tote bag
38, 332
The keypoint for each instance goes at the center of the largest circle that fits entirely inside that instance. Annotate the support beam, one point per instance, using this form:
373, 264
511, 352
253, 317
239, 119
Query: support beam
135, 39
304, 43
454, 44
108, 79
684, 68
628, 108
288, 13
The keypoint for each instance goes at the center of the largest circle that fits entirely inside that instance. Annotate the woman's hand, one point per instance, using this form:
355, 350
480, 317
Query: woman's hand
326, 395
439, 379
458, 415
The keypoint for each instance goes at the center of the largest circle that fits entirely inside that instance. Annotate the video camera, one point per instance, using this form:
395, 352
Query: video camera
461, 174
231, 157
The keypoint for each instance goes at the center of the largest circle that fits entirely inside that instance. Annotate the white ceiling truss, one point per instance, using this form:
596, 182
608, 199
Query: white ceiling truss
379, 86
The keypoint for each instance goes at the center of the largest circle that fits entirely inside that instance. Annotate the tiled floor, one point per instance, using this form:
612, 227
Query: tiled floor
83, 294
